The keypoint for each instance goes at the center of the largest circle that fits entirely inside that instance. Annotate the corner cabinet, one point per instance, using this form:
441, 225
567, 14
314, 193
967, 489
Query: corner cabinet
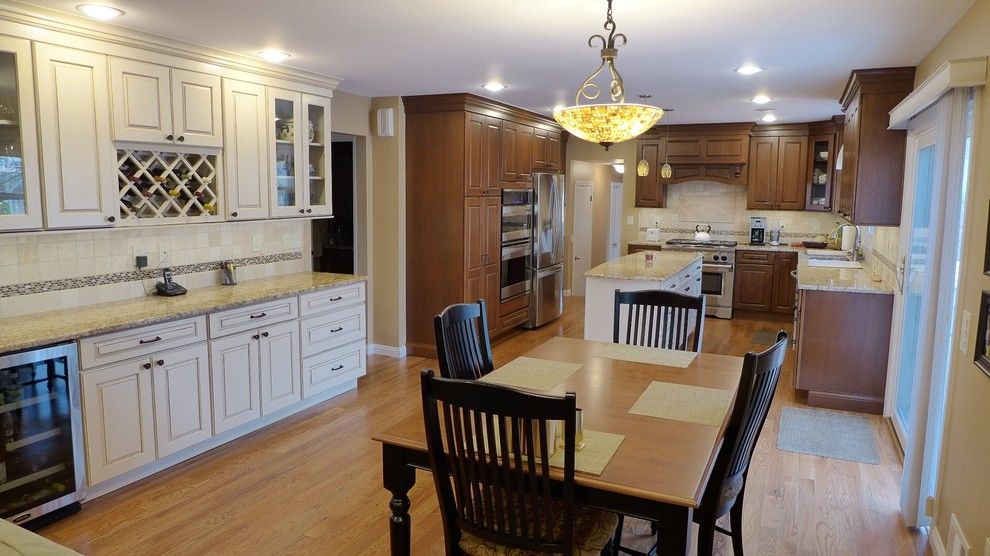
20, 180
298, 153
77, 154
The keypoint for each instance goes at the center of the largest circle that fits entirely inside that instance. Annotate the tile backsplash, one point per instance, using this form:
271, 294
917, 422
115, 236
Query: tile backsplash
41, 271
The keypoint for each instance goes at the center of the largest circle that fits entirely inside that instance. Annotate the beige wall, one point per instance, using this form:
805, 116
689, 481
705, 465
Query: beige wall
388, 259
964, 485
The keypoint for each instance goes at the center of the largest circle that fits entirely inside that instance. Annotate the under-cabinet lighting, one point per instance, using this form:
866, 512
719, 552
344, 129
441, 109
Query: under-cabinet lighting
99, 11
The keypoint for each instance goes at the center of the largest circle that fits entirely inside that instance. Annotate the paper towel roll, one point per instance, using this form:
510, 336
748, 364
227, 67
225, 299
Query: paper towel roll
848, 238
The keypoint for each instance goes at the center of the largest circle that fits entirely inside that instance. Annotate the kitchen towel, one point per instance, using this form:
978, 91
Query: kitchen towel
599, 447
681, 402
532, 374
653, 356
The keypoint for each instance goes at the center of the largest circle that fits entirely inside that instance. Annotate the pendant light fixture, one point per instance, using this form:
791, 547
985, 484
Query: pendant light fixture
666, 171
607, 124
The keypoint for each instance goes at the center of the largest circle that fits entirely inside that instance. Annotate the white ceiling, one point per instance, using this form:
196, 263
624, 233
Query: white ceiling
683, 52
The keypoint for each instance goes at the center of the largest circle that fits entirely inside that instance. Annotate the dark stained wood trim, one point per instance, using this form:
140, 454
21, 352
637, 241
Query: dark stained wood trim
879, 80
467, 102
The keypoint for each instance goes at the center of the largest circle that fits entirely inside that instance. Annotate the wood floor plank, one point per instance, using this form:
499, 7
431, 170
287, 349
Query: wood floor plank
312, 484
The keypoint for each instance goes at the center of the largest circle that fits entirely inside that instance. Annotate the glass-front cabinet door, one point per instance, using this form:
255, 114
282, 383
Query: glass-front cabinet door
286, 153
820, 174
20, 185
317, 151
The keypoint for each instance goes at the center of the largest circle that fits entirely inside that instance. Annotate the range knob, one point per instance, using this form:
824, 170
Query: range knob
725, 258
715, 258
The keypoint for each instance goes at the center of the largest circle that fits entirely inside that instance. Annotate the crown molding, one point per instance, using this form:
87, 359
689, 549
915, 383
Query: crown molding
16, 12
969, 72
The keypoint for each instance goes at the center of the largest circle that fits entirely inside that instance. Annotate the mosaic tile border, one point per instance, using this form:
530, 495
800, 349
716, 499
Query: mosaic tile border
736, 233
135, 275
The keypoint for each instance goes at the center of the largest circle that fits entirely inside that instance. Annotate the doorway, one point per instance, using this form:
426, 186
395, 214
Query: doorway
582, 235
333, 238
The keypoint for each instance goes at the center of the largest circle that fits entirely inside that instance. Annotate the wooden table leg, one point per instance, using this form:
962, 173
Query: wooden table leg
398, 478
675, 531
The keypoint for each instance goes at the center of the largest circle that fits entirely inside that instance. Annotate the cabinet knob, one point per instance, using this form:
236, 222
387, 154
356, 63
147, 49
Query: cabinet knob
111, 219
302, 211
182, 138
147, 365
264, 334
233, 214
309, 211
256, 337
169, 137
160, 362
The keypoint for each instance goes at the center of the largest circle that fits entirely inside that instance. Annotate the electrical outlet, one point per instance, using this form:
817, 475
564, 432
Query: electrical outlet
164, 256
629, 221
257, 242
964, 323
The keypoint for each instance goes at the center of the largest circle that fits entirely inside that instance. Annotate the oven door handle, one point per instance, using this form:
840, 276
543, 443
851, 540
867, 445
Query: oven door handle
718, 267
517, 210
515, 251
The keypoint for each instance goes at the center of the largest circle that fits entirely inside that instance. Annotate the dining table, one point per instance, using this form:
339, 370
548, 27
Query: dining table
660, 469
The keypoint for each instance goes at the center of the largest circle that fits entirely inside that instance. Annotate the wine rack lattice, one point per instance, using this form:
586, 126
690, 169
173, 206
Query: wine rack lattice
159, 185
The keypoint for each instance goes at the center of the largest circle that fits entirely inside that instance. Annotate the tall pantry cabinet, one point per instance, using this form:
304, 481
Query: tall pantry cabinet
461, 150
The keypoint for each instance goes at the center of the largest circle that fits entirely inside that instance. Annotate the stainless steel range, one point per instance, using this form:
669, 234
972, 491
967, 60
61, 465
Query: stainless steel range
718, 272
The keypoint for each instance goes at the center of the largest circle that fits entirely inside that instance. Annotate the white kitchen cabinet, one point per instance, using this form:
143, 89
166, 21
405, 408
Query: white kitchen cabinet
235, 380
118, 418
280, 374
326, 370
77, 154
181, 383
316, 153
157, 104
285, 155
246, 149
20, 181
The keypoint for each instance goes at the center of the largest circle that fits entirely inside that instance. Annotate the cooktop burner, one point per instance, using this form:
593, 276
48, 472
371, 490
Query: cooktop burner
710, 244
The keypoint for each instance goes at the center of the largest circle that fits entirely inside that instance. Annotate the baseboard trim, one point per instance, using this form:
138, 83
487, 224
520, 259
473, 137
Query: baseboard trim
846, 402
388, 351
935, 541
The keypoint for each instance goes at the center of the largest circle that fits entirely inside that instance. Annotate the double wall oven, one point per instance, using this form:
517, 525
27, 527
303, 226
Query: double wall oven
517, 241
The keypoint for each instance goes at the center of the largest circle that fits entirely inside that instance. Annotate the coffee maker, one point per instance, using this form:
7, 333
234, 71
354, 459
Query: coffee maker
757, 230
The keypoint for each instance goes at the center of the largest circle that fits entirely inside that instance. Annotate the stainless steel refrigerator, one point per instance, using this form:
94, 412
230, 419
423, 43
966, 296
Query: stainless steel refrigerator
547, 271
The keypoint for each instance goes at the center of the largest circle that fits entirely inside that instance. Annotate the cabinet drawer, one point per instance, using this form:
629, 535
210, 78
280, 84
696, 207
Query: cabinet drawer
319, 302
513, 320
331, 368
252, 316
332, 330
757, 257
137, 342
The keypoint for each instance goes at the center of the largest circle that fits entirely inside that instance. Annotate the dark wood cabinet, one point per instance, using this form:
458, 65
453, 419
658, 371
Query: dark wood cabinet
778, 172
763, 281
461, 149
842, 346
872, 178
547, 149
821, 172
784, 284
649, 189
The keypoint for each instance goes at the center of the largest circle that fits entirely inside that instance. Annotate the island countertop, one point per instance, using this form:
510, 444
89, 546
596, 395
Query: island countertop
664, 265
50, 327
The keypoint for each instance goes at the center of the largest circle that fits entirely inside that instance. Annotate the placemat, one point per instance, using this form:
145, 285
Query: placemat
532, 373
680, 402
599, 447
653, 356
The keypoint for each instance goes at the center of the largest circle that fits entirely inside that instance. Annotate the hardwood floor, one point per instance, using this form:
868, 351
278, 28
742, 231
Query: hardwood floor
312, 484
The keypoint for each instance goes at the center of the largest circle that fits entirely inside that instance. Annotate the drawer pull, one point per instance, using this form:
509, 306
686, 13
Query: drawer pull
337, 368
151, 341
338, 298
259, 315
338, 329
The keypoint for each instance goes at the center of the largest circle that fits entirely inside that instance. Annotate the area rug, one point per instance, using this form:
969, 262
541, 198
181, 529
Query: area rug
832, 434
765, 336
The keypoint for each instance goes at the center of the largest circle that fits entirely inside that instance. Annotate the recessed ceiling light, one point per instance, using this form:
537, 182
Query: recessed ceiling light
494, 86
769, 117
274, 55
761, 99
99, 11
749, 69
620, 168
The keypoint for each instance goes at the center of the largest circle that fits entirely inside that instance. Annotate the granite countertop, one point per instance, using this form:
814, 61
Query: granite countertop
782, 248
647, 243
635, 267
854, 280
51, 327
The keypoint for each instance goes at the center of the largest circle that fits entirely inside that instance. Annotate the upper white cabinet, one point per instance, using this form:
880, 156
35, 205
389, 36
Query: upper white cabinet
317, 155
156, 104
77, 154
246, 149
20, 183
299, 153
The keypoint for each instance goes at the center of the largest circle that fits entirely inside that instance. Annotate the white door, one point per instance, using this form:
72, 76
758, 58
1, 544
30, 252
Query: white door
78, 158
197, 119
285, 154
246, 150
615, 222
141, 101
234, 380
118, 418
280, 372
20, 180
317, 156
582, 236
181, 382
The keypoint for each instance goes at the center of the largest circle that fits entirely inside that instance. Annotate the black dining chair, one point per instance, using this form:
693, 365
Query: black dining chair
660, 319
490, 456
727, 484
463, 346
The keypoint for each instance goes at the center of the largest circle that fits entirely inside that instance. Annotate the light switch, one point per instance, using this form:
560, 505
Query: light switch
629, 221
964, 331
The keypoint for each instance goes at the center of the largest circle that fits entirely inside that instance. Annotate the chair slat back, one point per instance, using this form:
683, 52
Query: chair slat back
660, 319
484, 436
464, 349
761, 372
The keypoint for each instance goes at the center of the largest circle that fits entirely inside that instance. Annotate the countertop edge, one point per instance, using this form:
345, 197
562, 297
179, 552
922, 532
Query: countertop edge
604, 276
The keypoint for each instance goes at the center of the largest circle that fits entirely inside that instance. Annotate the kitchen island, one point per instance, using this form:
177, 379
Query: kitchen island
678, 271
